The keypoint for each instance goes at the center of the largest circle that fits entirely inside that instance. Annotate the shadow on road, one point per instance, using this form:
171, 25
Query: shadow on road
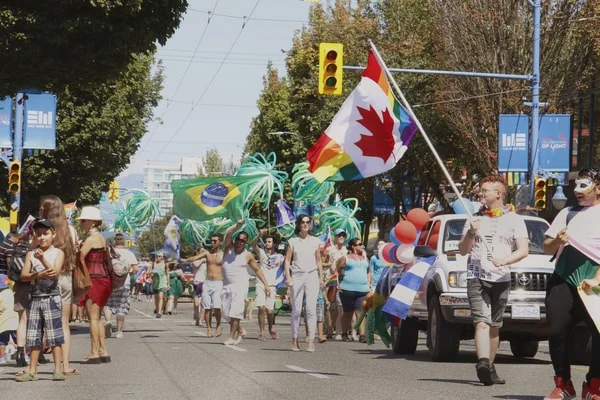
461, 381
518, 397
462, 358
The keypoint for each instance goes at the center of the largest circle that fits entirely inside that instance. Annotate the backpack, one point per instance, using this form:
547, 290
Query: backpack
17, 261
117, 266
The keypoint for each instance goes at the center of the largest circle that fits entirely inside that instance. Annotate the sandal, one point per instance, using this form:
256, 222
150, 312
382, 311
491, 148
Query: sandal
92, 360
74, 371
26, 377
346, 338
362, 339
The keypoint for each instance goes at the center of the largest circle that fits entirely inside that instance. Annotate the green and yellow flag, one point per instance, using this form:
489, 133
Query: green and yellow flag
203, 199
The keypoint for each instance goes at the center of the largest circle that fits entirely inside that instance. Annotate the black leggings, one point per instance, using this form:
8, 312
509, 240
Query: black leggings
564, 310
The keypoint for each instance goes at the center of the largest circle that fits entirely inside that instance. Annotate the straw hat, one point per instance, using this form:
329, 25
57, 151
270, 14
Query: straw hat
90, 213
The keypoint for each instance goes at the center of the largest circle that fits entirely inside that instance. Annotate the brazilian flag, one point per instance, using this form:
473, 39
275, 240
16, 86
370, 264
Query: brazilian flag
203, 199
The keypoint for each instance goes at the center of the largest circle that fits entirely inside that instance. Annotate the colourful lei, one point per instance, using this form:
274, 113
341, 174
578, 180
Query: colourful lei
498, 212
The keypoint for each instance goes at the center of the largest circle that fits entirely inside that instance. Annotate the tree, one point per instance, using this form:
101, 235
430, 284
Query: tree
48, 45
98, 130
214, 165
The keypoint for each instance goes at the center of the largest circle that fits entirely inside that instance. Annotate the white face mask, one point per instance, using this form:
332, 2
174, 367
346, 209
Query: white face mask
584, 186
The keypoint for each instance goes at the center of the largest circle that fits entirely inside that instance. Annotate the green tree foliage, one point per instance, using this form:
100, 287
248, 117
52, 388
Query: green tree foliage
98, 130
214, 165
50, 44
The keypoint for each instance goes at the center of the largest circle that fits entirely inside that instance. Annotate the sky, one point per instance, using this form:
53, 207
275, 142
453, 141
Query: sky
213, 70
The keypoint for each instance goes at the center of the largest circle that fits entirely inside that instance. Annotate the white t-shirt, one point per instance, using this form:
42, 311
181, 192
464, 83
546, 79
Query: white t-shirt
304, 256
582, 224
129, 259
200, 267
334, 255
270, 263
500, 235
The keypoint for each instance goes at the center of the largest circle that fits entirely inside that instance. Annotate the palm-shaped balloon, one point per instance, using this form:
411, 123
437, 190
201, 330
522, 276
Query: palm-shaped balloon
141, 208
341, 215
194, 233
122, 221
266, 180
306, 188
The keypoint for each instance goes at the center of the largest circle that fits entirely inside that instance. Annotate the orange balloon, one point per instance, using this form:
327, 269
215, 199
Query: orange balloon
433, 240
405, 232
418, 217
436, 228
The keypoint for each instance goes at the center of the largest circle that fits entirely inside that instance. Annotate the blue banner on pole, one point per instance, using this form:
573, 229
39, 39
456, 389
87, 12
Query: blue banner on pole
6, 105
513, 143
382, 203
555, 139
40, 122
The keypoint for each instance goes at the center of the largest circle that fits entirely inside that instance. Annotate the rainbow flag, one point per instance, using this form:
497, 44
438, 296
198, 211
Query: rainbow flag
368, 135
331, 281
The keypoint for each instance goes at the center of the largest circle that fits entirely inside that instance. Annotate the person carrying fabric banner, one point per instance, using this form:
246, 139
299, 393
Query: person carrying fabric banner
574, 237
172, 237
368, 135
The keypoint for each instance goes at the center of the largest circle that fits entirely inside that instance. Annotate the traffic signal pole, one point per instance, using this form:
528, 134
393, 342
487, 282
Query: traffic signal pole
534, 78
15, 205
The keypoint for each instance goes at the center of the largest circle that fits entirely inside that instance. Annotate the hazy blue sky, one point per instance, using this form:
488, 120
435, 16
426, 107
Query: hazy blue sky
213, 76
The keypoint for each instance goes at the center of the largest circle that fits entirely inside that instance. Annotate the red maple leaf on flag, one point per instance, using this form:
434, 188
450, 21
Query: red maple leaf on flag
381, 142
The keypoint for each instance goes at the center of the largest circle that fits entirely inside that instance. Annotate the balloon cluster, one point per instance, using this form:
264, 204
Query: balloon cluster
403, 238
140, 210
341, 215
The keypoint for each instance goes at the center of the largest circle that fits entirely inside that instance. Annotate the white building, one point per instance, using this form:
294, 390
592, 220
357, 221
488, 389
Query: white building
157, 179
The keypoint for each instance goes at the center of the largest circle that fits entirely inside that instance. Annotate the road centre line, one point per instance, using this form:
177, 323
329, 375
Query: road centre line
307, 372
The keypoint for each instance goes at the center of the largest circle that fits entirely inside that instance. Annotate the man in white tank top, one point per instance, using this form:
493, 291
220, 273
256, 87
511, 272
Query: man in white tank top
236, 261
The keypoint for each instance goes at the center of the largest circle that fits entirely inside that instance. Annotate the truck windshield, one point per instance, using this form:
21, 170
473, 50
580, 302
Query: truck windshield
535, 230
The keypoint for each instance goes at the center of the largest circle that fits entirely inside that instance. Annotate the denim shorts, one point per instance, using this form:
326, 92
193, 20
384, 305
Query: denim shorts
488, 301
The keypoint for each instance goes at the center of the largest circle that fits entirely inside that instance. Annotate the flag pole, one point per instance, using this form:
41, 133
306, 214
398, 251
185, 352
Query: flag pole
420, 127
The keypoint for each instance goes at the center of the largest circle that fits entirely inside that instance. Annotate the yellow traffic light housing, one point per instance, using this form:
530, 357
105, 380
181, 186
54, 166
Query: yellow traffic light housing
540, 193
14, 177
113, 191
331, 62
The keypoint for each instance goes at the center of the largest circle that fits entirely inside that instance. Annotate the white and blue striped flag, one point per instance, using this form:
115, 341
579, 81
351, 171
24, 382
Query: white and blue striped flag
284, 213
280, 277
401, 299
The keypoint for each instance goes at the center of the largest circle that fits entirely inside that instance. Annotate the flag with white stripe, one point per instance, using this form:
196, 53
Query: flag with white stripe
401, 299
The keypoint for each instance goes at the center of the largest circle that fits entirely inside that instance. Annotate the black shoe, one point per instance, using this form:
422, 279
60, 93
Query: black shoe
21, 359
495, 378
484, 371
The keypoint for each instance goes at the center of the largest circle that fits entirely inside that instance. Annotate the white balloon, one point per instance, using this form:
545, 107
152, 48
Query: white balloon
405, 253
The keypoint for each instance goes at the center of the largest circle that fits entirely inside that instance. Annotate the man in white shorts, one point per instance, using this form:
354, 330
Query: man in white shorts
236, 261
213, 285
270, 262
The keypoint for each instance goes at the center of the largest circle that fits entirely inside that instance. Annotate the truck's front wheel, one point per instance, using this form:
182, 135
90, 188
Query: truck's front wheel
443, 339
405, 336
524, 348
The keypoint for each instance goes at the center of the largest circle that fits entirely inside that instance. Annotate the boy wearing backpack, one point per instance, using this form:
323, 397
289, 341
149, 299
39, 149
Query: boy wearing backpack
42, 266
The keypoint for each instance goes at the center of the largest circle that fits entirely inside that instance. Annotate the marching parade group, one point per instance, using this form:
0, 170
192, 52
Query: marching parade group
42, 287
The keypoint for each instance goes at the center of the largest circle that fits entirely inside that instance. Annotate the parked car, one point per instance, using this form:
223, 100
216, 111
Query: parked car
441, 307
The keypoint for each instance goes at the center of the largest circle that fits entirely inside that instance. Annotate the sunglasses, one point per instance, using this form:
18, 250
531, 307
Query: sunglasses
214, 240
241, 241
358, 244
305, 222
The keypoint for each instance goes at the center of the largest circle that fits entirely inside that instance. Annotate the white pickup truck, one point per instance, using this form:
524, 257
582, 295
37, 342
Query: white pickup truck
441, 307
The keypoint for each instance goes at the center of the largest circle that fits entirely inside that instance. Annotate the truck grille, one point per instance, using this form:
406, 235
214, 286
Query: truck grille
529, 281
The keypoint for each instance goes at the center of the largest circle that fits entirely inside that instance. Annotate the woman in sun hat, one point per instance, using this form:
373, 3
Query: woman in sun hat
92, 255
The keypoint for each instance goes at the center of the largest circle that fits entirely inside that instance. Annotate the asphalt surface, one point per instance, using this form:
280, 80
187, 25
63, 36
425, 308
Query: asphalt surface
171, 359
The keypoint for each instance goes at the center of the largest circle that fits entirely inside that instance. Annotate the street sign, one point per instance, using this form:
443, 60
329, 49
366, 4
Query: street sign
513, 143
40, 122
555, 140
6, 105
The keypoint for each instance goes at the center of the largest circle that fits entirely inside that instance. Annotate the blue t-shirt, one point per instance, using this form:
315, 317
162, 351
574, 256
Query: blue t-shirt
355, 275
377, 265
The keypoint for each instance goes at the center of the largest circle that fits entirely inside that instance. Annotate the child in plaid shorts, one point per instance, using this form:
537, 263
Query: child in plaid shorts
43, 265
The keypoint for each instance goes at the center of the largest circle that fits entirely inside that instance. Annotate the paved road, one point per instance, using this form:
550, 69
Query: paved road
171, 359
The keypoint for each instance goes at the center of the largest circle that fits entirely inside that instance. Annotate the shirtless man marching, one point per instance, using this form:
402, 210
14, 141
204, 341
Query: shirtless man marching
211, 289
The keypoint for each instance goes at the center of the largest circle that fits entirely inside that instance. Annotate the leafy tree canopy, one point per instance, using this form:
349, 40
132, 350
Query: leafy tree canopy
50, 44
98, 130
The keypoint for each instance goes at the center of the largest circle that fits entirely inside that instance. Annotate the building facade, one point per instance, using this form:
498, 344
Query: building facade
158, 177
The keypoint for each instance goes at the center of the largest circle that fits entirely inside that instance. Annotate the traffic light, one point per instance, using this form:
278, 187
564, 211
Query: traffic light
540, 194
331, 61
113, 191
14, 177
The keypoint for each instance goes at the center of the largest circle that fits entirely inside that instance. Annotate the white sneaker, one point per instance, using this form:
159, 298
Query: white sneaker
338, 337
108, 329
311, 347
119, 335
230, 341
239, 339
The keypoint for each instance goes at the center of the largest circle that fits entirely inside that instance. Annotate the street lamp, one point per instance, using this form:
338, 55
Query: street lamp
559, 200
